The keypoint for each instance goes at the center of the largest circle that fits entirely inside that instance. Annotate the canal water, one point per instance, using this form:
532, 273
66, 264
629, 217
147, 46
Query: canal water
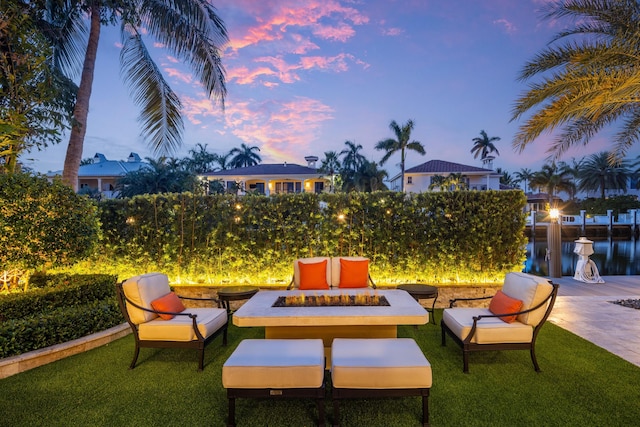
611, 256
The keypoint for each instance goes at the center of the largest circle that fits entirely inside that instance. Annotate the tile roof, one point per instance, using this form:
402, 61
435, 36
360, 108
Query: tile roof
441, 166
267, 169
102, 167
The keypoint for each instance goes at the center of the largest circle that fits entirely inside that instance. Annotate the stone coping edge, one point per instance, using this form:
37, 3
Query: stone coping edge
33, 359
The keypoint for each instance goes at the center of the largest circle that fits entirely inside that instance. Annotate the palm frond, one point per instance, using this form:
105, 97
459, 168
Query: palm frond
160, 117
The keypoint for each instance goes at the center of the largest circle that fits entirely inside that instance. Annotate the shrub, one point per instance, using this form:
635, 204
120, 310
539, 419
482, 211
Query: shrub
43, 224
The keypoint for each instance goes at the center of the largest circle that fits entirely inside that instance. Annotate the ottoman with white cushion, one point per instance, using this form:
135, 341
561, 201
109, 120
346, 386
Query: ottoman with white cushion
379, 367
276, 368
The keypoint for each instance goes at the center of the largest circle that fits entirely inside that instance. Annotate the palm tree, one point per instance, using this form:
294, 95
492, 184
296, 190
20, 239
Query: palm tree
506, 178
401, 143
368, 178
162, 176
200, 160
525, 175
330, 166
551, 180
223, 161
352, 160
588, 78
456, 182
572, 171
438, 182
245, 156
483, 145
598, 174
189, 29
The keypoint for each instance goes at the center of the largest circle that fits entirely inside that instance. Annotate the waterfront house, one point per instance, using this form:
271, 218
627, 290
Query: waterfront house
272, 178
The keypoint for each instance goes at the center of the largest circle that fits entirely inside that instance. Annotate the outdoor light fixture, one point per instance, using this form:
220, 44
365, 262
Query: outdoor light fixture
340, 217
554, 244
238, 206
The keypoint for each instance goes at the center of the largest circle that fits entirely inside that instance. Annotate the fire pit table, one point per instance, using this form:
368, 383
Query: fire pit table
329, 322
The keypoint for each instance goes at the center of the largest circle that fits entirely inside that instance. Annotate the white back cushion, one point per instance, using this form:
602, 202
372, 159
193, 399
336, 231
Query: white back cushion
296, 268
531, 290
142, 290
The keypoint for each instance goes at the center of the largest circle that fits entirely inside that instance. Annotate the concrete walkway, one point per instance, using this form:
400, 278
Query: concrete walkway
586, 310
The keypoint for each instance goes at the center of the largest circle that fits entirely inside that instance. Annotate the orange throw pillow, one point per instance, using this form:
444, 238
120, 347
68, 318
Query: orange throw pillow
354, 274
170, 302
502, 303
313, 275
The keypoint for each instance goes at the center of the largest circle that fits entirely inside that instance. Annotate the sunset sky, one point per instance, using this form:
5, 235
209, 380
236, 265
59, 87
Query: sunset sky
304, 76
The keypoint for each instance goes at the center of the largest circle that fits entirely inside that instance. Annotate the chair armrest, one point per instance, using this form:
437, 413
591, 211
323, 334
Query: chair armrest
290, 285
373, 285
214, 299
452, 302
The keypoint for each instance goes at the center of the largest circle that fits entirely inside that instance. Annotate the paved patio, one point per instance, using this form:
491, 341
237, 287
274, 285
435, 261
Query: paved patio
585, 310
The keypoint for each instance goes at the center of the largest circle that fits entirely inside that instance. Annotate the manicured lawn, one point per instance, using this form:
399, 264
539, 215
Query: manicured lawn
580, 385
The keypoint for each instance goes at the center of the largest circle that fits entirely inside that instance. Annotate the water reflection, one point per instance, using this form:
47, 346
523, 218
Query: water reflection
612, 257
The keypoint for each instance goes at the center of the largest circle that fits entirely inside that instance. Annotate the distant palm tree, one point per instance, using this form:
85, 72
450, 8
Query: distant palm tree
189, 29
245, 156
456, 182
525, 175
223, 161
598, 174
588, 78
330, 166
368, 178
401, 143
162, 176
438, 182
551, 181
351, 157
200, 160
483, 145
572, 171
506, 178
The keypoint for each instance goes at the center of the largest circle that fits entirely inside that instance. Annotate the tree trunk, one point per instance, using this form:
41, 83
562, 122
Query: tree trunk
81, 109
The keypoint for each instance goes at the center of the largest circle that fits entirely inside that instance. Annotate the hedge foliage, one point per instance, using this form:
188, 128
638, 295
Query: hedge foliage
43, 224
56, 314
443, 237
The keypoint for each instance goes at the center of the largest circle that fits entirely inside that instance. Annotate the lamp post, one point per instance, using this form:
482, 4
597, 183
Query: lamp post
554, 243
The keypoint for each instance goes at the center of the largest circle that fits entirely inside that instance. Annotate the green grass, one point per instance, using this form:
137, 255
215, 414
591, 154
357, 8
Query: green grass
580, 385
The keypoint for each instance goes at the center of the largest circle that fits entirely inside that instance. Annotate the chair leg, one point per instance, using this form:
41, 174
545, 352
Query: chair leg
425, 410
444, 343
465, 361
336, 413
136, 352
320, 404
201, 359
232, 412
533, 359
224, 337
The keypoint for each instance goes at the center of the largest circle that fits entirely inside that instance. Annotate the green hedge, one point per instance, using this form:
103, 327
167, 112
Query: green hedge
443, 237
69, 308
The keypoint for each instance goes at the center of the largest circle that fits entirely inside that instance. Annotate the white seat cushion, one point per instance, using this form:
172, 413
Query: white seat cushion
379, 363
180, 328
489, 330
531, 290
277, 363
142, 290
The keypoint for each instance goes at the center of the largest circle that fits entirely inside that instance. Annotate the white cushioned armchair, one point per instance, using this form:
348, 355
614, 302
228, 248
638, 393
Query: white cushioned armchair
141, 301
482, 329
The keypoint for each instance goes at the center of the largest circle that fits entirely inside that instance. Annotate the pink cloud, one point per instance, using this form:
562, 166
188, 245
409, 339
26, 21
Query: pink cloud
278, 128
178, 74
509, 27
392, 31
